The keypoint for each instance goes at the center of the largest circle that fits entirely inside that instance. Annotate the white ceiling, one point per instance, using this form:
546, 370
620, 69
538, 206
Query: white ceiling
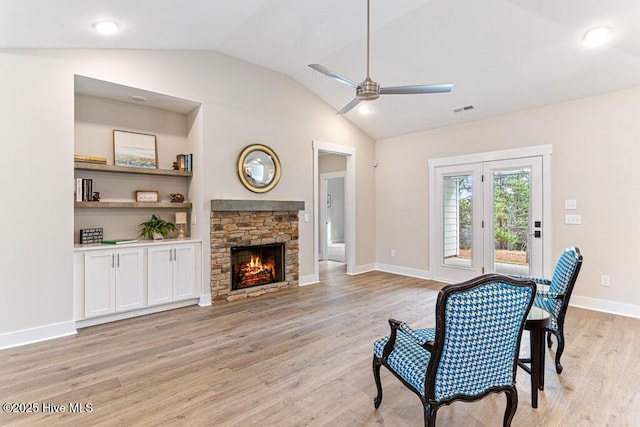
501, 55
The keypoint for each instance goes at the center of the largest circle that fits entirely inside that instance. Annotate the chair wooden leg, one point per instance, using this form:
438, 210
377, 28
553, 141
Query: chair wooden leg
376, 375
549, 342
560, 337
430, 415
512, 405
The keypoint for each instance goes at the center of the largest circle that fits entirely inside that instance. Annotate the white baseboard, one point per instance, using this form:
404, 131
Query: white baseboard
92, 321
308, 280
404, 271
40, 333
360, 269
613, 307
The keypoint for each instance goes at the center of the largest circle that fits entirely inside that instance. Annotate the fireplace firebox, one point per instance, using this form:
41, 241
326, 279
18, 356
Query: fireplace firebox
257, 265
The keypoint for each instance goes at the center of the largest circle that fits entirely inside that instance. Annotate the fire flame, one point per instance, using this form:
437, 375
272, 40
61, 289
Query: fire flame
256, 265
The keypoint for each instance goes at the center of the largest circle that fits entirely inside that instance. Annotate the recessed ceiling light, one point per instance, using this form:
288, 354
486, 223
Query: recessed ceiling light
597, 36
106, 27
365, 109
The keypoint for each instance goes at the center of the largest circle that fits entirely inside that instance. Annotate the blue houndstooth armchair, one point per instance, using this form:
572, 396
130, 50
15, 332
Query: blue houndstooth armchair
472, 351
555, 298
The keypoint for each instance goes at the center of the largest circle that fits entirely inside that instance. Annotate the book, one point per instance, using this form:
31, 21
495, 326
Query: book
180, 161
90, 159
87, 190
183, 162
78, 190
118, 241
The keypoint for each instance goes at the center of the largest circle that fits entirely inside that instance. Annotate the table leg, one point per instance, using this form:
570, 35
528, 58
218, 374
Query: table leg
535, 344
541, 357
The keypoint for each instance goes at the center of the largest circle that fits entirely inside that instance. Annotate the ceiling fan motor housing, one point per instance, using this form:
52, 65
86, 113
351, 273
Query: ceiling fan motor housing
368, 90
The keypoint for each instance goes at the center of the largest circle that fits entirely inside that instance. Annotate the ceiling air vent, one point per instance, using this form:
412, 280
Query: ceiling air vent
461, 109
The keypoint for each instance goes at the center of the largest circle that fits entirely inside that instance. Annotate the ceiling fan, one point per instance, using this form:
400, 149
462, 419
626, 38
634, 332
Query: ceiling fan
369, 90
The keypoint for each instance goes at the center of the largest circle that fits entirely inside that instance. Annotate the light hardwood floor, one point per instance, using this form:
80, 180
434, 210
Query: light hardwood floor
302, 357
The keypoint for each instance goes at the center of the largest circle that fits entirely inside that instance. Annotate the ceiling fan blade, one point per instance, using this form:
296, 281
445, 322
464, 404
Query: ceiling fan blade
349, 106
402, 90
327, 72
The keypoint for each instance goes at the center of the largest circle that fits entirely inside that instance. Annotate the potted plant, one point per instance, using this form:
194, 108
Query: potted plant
156, 228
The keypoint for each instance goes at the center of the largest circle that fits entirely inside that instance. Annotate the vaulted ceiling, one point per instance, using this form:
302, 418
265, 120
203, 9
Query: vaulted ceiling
500, 55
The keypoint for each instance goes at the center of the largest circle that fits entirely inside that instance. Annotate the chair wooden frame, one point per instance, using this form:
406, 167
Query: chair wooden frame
564, 297
559, 334
429, 402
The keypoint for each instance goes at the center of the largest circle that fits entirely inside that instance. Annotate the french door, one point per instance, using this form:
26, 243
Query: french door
489, 219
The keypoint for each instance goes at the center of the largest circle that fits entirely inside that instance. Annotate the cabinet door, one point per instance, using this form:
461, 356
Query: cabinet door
129, 279
159, 274
184, 272
99, 282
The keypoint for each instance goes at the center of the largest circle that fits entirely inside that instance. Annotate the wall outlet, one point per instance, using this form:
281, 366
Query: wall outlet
393, 253
306, 217
605, 280
193, 220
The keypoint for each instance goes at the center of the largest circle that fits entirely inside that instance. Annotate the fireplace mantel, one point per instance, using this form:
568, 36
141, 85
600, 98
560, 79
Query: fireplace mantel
226, 205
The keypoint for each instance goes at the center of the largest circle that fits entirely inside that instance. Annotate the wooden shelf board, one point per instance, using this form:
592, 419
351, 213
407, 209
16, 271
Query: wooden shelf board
124, 169
169, 205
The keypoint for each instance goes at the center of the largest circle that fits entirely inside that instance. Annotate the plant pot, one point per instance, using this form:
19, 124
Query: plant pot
156, 236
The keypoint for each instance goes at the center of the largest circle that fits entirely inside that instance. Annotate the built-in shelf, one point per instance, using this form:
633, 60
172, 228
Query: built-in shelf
126, 169
147, 205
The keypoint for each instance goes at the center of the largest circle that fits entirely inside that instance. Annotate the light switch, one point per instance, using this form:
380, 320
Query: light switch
571, 204
573, 219
306, 217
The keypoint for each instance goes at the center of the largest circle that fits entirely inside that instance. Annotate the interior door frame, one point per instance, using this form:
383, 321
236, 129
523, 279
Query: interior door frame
350, 204
544, 151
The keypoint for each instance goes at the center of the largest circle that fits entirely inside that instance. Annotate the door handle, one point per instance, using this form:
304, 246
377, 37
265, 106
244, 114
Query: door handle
118, 255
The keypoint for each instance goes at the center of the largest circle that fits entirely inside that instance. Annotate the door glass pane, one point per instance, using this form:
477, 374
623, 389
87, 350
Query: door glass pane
511, 218
456, 215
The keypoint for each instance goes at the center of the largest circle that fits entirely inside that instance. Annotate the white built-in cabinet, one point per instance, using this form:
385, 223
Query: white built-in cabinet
171, 273
114, 281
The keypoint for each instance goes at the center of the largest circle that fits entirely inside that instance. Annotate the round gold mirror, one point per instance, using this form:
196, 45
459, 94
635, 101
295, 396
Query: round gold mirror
258, 168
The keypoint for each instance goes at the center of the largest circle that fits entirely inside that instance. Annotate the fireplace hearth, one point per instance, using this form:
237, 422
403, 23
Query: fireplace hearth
256, 265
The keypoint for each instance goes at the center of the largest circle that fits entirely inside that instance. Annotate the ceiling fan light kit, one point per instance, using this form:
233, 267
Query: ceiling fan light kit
369, 90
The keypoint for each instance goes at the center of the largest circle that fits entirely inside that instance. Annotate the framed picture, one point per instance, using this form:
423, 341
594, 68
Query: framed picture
147, 196
133, 149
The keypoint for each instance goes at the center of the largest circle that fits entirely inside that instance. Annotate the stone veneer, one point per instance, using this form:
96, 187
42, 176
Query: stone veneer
231, 228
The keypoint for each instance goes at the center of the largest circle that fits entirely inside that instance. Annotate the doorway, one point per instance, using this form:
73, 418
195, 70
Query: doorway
489, 217
343, 159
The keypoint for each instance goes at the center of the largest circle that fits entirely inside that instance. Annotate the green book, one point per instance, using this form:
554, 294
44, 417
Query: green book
118, 241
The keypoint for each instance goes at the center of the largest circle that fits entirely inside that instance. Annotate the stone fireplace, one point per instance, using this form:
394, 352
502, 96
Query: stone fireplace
254, 247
